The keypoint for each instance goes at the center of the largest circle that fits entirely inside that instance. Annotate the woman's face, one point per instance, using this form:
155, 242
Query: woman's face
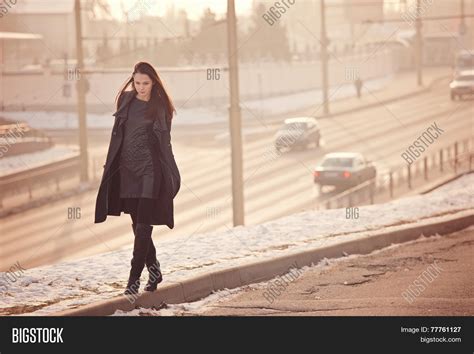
143, 84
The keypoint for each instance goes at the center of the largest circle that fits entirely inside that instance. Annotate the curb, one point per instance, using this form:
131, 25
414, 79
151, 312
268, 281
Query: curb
430, 187
447, 180
204, 285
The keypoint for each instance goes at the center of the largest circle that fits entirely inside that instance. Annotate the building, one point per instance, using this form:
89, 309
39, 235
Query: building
347, 24
51, 19
18, 49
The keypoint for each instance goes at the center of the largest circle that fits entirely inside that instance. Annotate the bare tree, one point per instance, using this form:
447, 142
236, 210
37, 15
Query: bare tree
96, 9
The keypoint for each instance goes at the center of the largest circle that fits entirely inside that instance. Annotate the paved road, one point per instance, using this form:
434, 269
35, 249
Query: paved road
386, 283
274, 185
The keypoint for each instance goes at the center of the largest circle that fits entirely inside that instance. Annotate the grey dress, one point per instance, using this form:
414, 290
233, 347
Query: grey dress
139, 168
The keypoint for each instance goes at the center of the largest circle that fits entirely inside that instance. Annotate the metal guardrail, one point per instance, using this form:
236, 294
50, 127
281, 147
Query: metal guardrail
6, 128
15, 134
22, 129
41, 175
462, 154
47, 175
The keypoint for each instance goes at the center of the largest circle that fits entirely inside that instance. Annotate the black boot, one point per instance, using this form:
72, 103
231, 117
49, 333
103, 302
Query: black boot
154, 272
154, 277
140, 251
133, 282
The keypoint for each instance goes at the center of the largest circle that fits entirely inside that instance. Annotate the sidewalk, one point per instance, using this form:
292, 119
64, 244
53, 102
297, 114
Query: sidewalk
403, 85
429, 277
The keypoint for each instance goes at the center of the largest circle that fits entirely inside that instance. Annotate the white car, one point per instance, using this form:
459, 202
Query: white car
463, 84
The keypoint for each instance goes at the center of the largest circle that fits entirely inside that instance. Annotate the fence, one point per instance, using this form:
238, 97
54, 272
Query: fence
453, 159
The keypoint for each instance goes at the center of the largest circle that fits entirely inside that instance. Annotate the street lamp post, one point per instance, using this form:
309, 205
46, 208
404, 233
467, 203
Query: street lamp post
419, 46
81, 95
234, 118
324, 60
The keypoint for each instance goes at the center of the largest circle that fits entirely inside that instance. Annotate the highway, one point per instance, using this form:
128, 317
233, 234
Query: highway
274, 185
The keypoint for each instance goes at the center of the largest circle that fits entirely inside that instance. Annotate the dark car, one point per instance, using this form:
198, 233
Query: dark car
297, 132
343, 170
463, 84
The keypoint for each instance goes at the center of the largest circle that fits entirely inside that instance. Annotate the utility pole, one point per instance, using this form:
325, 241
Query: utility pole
81, 95
234, 118
2, 103
462, 25
324, 59
418, 46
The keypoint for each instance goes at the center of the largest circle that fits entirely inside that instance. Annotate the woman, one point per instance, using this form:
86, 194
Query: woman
140, 176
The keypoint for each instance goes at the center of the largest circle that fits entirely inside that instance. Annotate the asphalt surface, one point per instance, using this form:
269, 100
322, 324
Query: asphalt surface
428, 278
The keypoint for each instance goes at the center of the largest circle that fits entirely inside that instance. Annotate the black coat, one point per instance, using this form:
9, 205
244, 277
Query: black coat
108, 197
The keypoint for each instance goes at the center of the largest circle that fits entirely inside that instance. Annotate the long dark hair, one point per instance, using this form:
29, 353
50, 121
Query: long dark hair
158, 92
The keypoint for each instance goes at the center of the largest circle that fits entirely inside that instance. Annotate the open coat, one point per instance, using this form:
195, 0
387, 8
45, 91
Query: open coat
108, 197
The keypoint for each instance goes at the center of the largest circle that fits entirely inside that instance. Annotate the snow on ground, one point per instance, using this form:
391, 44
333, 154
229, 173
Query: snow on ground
57, 287
30, 160
209, 302
200, 115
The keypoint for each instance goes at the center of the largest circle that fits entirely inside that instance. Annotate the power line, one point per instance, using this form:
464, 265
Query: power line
432, 18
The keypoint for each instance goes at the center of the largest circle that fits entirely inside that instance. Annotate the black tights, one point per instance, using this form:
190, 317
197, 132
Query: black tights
151, 254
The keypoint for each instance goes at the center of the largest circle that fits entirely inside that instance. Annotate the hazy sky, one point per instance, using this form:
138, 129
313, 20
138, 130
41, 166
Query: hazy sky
194, 8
